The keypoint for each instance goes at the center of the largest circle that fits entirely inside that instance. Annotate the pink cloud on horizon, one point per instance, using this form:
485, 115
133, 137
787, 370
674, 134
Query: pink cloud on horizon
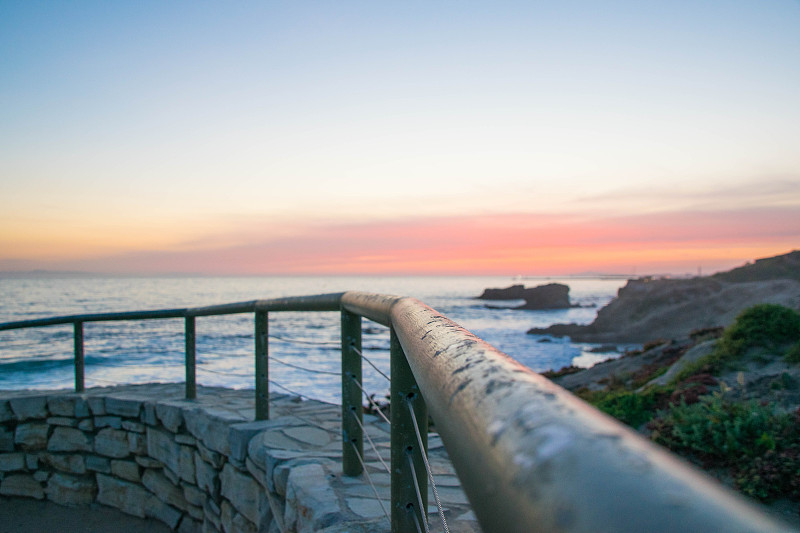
486, 244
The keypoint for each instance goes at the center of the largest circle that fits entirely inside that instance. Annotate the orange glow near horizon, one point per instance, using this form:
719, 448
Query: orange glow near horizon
525, 244
553, 261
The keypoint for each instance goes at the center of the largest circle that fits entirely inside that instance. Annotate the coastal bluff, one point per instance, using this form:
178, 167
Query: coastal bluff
647, 309
203, 464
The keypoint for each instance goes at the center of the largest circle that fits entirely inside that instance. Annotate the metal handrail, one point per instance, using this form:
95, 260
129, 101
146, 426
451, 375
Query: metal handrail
529, 454
95, 317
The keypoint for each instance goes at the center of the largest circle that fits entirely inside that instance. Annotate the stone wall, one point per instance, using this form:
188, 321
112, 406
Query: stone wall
169, 460
204, 464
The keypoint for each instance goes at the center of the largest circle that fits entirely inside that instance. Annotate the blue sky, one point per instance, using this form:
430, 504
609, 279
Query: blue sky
160, 126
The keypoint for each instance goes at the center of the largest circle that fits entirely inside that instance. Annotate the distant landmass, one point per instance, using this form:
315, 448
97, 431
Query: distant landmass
581, 275
646, 309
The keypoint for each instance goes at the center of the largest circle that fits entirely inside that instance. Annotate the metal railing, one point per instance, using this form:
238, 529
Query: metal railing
530, 455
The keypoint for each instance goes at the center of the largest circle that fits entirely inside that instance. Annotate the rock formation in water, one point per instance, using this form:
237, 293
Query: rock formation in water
514, 292
550, 296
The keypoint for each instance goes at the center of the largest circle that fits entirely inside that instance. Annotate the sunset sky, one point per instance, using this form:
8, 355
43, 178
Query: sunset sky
407, 137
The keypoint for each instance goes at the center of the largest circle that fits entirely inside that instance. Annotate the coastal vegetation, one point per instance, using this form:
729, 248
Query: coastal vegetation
766, 328
726, 399
751, 441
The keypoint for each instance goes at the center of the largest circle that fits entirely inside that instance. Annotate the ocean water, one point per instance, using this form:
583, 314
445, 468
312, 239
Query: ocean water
153, 350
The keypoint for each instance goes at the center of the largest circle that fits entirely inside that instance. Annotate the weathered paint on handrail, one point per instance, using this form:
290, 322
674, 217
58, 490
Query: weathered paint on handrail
529, 454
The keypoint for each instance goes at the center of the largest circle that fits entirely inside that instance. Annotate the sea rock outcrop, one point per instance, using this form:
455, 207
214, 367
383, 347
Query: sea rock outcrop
550, 296
514, 292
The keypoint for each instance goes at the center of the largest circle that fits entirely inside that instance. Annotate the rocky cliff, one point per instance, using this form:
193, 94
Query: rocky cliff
648, 309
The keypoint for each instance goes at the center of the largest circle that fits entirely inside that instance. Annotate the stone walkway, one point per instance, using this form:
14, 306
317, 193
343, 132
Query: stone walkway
304, 441
295, 457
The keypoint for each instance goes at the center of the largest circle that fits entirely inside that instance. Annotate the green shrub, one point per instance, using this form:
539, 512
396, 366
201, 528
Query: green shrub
769, 326
629, 407
759, 447
716, 429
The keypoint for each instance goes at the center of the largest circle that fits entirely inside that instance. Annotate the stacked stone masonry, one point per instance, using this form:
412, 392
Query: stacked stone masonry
204, 465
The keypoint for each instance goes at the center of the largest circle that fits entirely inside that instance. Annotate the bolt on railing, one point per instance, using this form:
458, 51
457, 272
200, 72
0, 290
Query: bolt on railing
528, 453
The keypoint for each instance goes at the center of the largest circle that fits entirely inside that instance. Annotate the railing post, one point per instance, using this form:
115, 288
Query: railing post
262, 365
405, 501
79, 359
191, 370
351, 395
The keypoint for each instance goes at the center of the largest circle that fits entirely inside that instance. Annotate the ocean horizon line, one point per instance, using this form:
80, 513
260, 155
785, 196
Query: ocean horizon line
44, 273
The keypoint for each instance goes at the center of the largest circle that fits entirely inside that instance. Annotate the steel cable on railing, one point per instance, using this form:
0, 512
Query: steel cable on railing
111, 382
304, 341
304, 368
311, 423
290, 391
423, 511
427, 466
369, 480
371, 401
374, 447
416, 521
365, 358
201, 367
